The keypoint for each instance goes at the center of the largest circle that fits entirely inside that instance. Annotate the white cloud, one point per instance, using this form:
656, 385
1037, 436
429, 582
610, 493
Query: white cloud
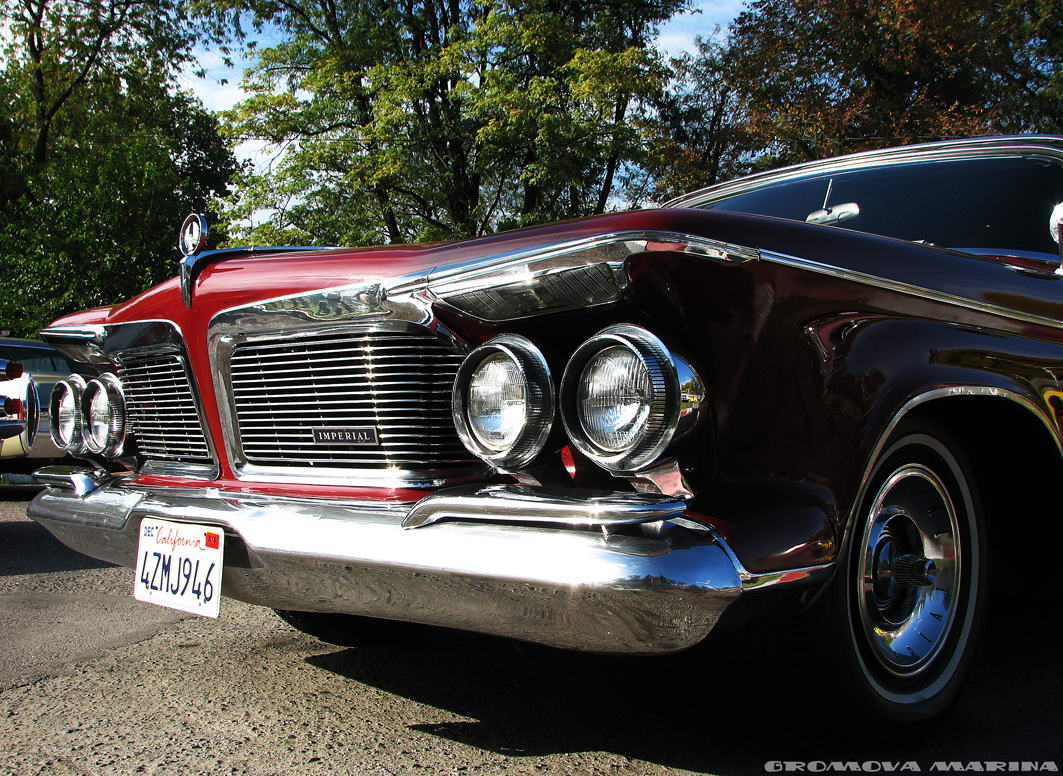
219, 89
677, 36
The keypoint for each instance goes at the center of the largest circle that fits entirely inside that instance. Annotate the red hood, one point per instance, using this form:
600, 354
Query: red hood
245, 280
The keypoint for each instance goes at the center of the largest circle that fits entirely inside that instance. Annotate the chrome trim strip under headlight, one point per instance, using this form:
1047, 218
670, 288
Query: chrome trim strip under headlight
565, 587
572, 508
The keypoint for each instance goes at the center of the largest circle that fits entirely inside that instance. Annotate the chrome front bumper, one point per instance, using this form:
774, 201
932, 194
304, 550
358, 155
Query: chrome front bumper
557, 571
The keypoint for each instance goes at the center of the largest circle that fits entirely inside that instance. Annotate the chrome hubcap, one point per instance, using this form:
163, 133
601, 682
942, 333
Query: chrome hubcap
909, 565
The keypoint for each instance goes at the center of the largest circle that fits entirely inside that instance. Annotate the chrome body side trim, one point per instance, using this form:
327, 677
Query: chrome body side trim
909, 290
572, 508
565, 587
948, 392
764, 580
581, 273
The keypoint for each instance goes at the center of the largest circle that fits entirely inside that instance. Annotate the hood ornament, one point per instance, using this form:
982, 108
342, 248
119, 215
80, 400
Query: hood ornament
191, 241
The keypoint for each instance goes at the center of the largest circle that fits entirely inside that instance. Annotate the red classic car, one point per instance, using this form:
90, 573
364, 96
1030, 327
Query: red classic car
776, 395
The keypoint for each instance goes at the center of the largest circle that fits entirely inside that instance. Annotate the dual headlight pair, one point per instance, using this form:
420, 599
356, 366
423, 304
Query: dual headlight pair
89, 417
624, 399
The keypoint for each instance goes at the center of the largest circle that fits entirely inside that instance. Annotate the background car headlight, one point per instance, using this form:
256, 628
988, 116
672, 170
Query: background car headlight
625, 398
103, 416
503, 401
64, 412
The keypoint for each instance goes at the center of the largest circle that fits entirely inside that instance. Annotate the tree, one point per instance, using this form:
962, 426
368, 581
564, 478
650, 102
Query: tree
698, 135
100, 158
427, 120
821, 78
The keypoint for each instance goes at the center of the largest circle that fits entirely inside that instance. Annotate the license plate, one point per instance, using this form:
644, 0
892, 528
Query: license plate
179, 566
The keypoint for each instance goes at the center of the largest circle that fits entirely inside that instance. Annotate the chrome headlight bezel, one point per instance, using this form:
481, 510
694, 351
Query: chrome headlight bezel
74, 386
672, 411
113, 439
539, 401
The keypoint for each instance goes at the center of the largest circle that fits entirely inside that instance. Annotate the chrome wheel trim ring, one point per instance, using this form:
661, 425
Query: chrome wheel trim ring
939, 671
905, 623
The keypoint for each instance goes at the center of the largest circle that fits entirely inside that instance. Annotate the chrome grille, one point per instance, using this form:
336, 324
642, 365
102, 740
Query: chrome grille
162, 409
396, 382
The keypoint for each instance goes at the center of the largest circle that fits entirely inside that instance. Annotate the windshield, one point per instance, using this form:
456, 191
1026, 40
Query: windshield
995, 204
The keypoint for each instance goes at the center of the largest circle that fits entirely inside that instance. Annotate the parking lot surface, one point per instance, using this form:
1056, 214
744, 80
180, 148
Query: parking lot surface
94, 682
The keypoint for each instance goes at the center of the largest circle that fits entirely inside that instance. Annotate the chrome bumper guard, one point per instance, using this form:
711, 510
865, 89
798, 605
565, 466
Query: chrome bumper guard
535, 565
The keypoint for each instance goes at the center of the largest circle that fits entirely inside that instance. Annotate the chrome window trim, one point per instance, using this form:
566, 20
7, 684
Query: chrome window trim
108, 344
949, 150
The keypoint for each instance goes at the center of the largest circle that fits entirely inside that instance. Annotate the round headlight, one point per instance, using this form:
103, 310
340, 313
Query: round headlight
625, 397
498, 405
614, 398
503, 401
103, 416
64, 412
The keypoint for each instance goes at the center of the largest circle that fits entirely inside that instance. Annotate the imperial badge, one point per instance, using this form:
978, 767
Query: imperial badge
357, 435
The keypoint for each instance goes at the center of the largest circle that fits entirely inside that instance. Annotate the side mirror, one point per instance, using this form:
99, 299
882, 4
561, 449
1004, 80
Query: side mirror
14, 370
835, 214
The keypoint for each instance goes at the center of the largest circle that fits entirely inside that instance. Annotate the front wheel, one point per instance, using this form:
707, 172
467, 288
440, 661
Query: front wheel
908, 602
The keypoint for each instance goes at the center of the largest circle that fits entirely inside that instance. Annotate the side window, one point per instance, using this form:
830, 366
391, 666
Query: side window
794, 200
38, 360
993, 203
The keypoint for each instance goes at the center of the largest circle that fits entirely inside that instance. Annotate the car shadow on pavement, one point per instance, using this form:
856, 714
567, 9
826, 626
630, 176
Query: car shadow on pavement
27, 548
705, 710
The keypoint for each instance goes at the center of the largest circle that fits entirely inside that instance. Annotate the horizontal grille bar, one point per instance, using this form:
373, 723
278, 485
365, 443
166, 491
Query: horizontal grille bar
396, 383
162, 409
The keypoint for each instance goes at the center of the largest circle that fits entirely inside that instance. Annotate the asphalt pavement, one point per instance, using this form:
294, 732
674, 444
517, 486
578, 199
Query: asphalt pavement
92, 682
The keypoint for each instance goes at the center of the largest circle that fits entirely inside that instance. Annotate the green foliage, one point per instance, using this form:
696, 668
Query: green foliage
820, 78
409, 120
699, 133
419, 120
99, 157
